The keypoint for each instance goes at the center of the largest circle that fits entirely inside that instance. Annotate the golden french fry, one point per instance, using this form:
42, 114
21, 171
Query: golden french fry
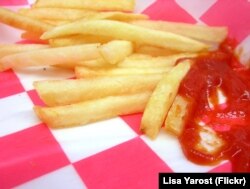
91, 111
83, 72
199, 32
125, 31
78, 39
87, 89
141, 60
176, 117
162, 99
22, 22
121, 5
51, 56
116, 51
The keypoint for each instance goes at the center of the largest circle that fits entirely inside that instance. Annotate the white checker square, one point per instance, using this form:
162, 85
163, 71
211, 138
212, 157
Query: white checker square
63, 178
28, 75
83, 141
196, 8
169, 150
16, 114
142, 5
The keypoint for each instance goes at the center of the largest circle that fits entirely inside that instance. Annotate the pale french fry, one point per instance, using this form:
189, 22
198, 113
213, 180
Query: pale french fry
119, 16
141, 60
22, 22
125, 31
92, 111
121, 5
83, 72
199, 32
154, 51
116, 51
162, 99
51, 56
55, 22
176, 117
55, 13
87, 89
8, 49
78, 39
74, 14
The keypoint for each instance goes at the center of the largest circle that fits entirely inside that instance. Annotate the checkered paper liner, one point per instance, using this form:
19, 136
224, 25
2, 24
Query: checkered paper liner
107, 154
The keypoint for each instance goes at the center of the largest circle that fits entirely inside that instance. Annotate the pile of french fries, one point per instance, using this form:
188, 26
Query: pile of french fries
124, 62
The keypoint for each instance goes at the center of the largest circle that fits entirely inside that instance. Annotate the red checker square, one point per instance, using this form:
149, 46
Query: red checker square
168, 10
13, 2
35, 98
129, 165
234, 14
9, 84
28, 154
134, 121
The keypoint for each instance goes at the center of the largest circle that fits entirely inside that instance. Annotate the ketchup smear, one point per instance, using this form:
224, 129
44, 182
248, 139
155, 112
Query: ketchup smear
230, 119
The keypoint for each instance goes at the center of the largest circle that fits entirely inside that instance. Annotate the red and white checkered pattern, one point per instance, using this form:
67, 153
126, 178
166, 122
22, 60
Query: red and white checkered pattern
108, 154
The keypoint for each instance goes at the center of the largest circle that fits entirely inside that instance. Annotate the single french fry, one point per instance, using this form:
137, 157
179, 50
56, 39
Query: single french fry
154, 51
116, 51
199, 32
91, 111
22, 22
83, 72
114, 5
162, 99
176, 117
78, 39
96, 63
8, 49
125, 31
119, 16
51, 56
55, 13
87, 89
142, 60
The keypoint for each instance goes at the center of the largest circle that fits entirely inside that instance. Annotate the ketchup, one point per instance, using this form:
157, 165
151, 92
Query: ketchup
230, 119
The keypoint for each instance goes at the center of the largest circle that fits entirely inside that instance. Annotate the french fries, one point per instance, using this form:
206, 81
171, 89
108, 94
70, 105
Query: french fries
123, 63
75, 91
51, 56
22, 22
91, 111
199, 32
162, 99
125, 31
121, 5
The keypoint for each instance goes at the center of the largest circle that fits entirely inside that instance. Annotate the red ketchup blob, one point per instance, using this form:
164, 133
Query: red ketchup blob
230, 119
